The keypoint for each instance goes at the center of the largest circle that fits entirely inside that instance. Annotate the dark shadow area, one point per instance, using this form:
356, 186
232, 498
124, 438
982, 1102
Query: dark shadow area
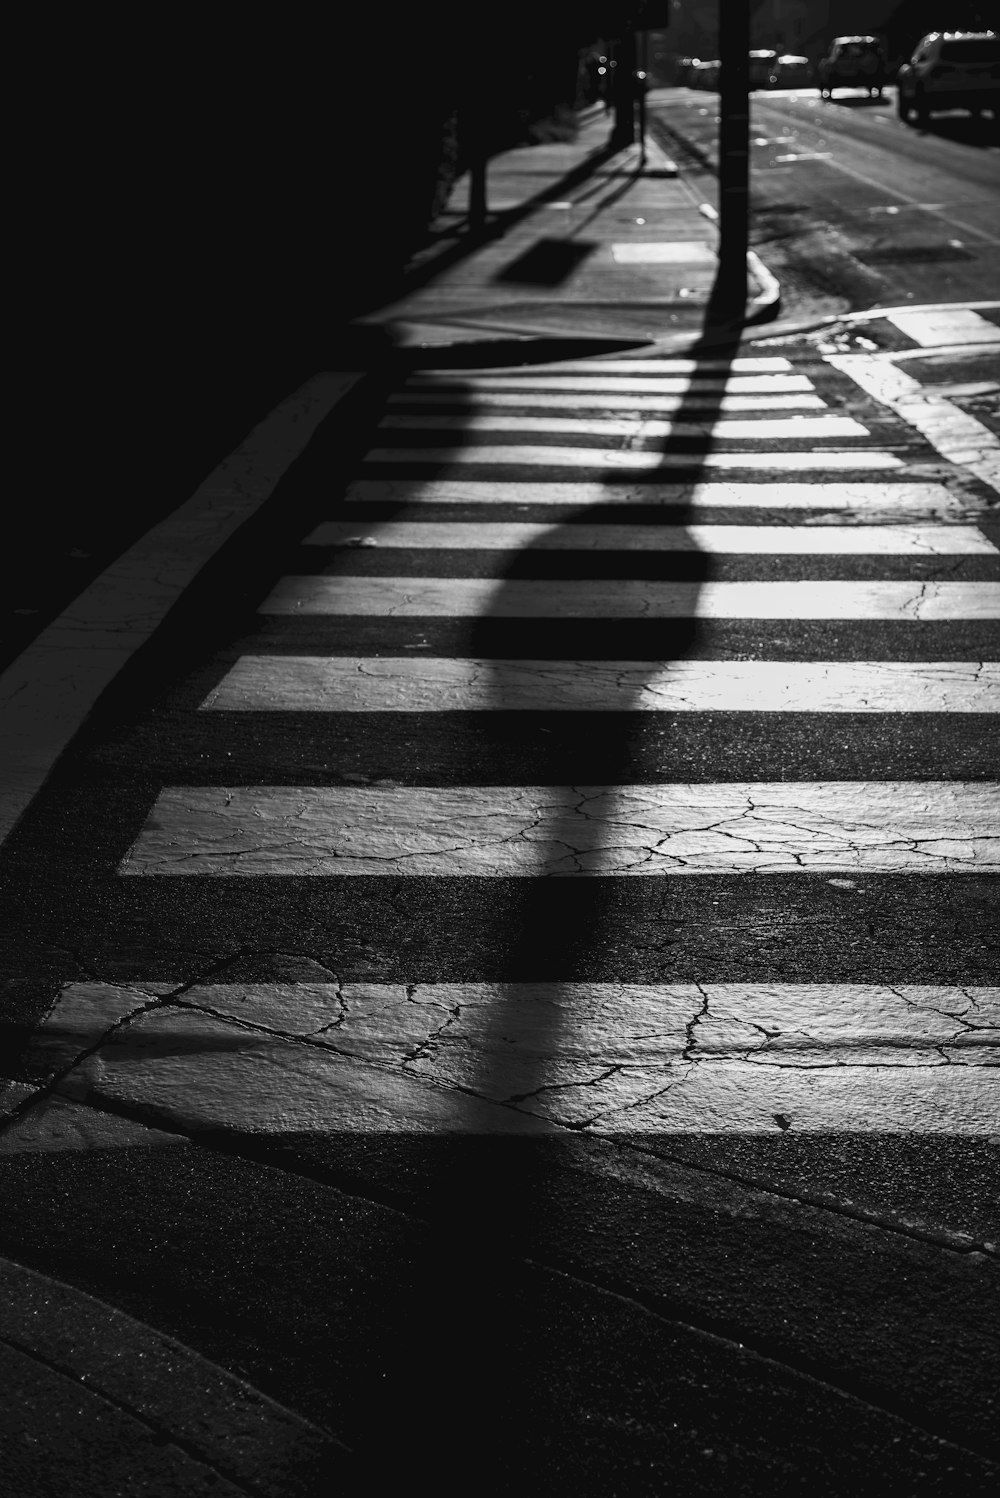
547, 263
963, 129
489, 1198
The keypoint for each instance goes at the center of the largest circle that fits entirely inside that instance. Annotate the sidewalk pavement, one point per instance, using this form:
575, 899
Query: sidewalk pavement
610, 250
580, 242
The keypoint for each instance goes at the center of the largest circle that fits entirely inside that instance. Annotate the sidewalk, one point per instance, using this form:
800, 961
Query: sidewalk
579, 243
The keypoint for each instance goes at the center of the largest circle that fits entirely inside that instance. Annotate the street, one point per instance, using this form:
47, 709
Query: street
851, 206
501, 981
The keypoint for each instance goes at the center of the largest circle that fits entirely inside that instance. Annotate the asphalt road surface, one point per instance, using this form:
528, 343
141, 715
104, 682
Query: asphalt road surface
851, 207
517, 952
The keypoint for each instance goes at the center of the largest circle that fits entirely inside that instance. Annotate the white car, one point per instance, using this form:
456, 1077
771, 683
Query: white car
950, 70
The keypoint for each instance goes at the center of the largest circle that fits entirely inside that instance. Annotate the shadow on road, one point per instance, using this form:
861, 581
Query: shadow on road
477, 1341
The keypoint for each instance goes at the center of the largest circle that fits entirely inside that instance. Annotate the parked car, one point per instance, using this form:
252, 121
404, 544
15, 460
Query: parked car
792, 71
852, 62
762, 68
950, 70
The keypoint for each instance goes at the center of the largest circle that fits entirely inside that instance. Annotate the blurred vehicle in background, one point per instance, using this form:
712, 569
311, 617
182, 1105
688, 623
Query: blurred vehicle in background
852, 62
763, 62
705, 74
792, 71
950, 70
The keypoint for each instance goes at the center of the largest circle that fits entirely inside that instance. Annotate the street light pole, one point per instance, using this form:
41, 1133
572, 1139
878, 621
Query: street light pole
734, 153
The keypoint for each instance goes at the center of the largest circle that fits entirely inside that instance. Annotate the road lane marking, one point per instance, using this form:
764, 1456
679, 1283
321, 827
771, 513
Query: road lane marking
50, 688
517, 382
521, 455
598, 369
769, 540
561, 400
771, 429
403, 684
629, 598
958, 325
446, 1057
859, 501
786, 827
663, 252
955, 434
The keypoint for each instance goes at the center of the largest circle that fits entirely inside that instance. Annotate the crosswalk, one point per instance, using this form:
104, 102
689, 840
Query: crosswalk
605, 568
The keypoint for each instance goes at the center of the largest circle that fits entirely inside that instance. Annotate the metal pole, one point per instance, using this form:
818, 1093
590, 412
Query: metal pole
734, 152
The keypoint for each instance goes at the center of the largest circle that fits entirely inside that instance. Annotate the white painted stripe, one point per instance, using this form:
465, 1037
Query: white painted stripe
664, 405
268, 683
858, 501
764, 428
617, 458
849, 827
946, 325
599, 368
769, 540
630, 598
587, 391
664, 252
47, 692
444, 1057
957, 436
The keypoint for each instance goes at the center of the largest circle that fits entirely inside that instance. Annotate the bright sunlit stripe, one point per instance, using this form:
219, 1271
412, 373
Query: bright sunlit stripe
857, 501
543, 831
631, 598
768, 540
617, 459
769, 428
365, 684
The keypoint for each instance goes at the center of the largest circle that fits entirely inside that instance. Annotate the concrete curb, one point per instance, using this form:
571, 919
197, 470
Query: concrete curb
766, 304
113, 1377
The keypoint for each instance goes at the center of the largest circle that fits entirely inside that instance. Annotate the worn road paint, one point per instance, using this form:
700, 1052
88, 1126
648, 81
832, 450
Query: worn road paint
686, 1058
543, 831
594, 398
522, 455
379, 684
599, 369
857, 501
767, 540
938, 326
630, 598
50, 688
770, 429
955, 434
